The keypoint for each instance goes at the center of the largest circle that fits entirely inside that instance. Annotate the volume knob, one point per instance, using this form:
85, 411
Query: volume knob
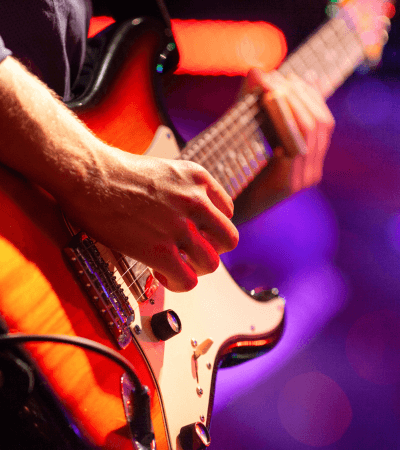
194, 437
165, 324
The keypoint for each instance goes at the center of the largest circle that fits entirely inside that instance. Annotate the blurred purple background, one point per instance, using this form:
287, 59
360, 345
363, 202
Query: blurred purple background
333, 381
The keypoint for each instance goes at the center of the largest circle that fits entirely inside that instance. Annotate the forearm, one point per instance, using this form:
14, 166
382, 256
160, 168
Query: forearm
151, 209
39, 137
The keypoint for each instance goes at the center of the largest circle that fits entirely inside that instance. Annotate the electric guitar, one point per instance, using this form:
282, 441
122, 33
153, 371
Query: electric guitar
52, 284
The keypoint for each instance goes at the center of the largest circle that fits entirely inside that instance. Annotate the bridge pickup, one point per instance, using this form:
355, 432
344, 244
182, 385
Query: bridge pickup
106, 294
138, 277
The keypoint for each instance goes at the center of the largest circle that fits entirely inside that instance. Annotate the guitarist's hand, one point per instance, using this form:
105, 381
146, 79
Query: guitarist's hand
304, 125
171, 215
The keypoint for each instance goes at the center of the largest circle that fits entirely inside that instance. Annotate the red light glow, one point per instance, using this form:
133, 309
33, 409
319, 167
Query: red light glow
98, 24
219, 47
226, 47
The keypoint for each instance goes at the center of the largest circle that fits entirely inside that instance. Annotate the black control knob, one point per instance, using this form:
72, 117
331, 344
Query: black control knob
194, 436
165, 324
263, 295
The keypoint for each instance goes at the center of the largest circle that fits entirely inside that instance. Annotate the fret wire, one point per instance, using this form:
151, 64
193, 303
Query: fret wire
220, 169
308, 54
259, 163
341, 61
353, 48
343, 52
220, 138
245, 135
329, 55
342, 46
328, 61
239, 175
217, 170
212, 159
228, 136
240, 141
251, 157
189, 151
232, 135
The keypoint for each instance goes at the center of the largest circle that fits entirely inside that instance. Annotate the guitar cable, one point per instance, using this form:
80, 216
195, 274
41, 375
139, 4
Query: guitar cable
140, 424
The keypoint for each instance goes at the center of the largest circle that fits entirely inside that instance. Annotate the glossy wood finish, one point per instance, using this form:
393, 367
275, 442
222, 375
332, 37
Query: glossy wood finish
39, 294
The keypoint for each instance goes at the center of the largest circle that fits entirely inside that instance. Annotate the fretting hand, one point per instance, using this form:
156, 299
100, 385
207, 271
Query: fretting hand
304, 125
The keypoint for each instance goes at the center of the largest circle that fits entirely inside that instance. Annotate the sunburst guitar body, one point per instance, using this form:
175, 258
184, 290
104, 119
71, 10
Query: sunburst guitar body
47, 288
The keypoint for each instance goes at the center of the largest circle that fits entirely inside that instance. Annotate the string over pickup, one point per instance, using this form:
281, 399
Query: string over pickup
106, 294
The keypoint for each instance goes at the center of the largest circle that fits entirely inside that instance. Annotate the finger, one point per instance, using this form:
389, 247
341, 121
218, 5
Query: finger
267, 81
285, 123
315, 132
222, 234
297, 180
198, 252
312, 99
172, 271
219, 197
325, 123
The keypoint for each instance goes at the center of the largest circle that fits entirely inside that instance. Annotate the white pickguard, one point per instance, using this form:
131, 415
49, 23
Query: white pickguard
216, 309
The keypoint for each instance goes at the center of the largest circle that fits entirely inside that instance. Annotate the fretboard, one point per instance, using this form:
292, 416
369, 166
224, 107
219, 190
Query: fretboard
233, 149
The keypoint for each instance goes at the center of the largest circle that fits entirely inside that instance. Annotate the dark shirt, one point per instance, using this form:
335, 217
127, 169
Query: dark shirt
48, 36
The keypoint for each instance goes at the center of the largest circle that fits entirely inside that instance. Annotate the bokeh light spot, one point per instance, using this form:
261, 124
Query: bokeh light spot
373, 347
314, 409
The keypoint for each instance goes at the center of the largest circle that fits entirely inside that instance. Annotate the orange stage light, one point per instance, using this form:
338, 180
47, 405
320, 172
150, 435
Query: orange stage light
216, 47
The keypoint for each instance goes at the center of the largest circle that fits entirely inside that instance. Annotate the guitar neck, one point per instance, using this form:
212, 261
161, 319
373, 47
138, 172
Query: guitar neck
233, 149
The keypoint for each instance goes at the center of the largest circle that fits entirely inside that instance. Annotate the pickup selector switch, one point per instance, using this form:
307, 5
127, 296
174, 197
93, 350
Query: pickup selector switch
165, 324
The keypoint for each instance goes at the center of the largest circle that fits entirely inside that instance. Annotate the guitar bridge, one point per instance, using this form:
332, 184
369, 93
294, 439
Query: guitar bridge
100, 283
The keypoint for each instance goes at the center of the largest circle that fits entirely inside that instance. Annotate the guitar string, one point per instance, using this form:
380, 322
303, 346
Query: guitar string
212, 133
222, 137
339, 27
236, 139
331, 80
233, 169
135, 278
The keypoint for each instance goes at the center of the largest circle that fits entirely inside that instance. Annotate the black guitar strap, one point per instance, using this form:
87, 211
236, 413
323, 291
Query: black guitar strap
122, 10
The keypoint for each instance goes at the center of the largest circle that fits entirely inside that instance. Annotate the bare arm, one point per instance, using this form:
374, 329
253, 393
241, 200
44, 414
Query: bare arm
148, 208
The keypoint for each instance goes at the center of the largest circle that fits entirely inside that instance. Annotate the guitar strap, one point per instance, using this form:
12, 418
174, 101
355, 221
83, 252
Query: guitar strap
122, 10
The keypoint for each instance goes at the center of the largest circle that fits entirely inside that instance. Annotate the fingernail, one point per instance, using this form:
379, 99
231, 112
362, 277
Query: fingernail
161, 278
183, 255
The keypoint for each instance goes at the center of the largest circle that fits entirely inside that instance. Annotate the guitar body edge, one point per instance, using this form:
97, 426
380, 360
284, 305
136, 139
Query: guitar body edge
39, 294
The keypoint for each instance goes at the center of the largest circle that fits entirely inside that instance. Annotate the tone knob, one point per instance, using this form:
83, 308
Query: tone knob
165, 324
194, 437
